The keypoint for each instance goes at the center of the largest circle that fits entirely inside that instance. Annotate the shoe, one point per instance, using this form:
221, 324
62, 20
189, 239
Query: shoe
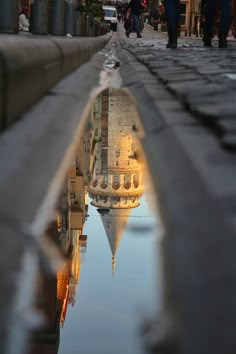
127, 34
139, 36
207, 38
171, 45
172, 41
223, 40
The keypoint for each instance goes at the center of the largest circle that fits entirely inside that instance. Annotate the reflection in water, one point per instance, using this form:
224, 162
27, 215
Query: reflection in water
116, 184
106, 167
55, 293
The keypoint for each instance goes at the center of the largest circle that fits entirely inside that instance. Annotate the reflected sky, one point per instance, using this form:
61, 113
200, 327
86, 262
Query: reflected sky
109, 309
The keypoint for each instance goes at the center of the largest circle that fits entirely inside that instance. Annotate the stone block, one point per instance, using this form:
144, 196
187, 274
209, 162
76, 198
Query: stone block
76, 51
31, 67
71, 52
1, 94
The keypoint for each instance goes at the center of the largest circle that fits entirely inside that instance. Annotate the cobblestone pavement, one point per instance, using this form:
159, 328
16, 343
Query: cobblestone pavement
186, 99
203, 79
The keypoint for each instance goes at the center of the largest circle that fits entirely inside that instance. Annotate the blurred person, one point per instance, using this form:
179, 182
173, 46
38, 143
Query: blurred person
135, 7
224, 21
23, 20
172, 12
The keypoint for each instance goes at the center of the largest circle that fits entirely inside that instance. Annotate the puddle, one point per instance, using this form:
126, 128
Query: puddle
108, 235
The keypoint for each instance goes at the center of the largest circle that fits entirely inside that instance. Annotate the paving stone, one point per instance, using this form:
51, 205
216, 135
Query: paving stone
228, 125
217, 110
229, 141
200, 82
181, 77
182, 88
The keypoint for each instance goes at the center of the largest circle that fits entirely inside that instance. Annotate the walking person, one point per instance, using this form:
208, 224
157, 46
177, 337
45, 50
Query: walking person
172, 12
225, 9
135, 7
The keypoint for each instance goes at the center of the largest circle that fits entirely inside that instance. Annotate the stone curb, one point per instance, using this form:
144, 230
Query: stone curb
30, 66
192, 176
40, 146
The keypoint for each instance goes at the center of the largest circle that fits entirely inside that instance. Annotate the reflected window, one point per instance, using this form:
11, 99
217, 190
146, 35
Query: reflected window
117, 152
126, 178
104, 183
127, 183
116, 200
116, 182
116, 179
72, 187
136, 180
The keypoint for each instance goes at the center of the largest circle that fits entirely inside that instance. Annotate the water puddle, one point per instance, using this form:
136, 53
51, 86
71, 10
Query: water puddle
108, 234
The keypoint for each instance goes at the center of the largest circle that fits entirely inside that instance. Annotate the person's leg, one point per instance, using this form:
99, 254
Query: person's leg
172, 14
172, 19
210, 19
136, 25
131, 28
225, 9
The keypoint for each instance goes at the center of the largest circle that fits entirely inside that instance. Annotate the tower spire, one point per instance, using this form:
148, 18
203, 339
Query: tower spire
113, 265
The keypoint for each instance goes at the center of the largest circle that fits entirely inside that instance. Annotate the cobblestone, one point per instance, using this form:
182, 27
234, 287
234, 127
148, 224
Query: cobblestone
190, 142
201, 78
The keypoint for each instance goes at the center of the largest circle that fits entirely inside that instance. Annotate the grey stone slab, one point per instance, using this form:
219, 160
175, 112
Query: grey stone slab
217, 70
215, 166
214, 110
211, 96
192, 246
2, 94
33, 72
40, 148
228, 141
159, 65
192, 192
183, 77
18, 249
205, 92
227, 125
32, 65
172, 105
145, 58
183, 88
174, 70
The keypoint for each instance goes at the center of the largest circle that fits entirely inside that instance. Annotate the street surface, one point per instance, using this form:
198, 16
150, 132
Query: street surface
186, 101
202, 79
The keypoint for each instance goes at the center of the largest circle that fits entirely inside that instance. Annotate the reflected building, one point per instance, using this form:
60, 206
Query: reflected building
116, 173
56, 291
106, 167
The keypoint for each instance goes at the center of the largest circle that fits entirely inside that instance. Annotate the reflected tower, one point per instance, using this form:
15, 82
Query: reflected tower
116, 184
